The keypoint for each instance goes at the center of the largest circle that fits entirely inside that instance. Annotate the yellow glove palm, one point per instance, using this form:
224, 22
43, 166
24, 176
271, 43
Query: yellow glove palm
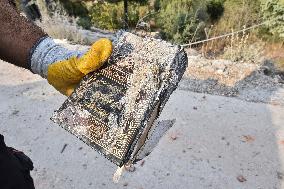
65, 75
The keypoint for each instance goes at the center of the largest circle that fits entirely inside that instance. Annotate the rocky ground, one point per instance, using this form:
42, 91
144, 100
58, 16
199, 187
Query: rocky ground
228, 132
260, 82
254, 82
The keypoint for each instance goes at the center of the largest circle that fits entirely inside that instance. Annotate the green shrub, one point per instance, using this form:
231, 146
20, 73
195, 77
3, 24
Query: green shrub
157, 5
84, 22
182, 21
106, 15
76, 9
79, 11
273, 12
215, 9
111, 15
237, 14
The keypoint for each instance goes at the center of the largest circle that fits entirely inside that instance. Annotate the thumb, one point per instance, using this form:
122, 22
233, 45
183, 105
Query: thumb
98, 54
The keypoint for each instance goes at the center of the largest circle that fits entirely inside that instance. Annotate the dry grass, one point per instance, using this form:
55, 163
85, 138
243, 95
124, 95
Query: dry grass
57, 24
59, 28
243, 47
275, 52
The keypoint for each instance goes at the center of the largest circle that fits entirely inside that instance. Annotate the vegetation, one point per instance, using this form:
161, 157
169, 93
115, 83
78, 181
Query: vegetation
273, 12
182, 21
110, 16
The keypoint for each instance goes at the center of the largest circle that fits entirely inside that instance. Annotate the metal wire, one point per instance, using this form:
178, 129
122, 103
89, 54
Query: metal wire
225, 35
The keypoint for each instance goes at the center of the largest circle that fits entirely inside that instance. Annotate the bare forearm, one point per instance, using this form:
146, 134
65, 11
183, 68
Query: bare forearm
17, 35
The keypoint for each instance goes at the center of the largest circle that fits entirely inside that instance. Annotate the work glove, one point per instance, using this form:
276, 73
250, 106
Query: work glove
64, 68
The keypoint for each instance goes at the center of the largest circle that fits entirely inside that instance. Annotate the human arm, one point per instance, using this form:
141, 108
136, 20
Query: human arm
26, 45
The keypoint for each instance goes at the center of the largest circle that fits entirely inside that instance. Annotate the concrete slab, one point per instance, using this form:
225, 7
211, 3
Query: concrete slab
216, 142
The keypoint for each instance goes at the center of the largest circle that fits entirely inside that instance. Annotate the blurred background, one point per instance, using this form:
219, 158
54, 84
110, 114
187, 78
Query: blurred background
177, 21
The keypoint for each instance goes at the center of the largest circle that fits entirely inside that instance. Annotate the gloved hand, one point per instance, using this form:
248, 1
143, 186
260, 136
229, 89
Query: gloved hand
64, 68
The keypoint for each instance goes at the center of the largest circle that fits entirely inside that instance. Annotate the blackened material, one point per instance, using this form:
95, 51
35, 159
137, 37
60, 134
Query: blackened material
113, 109
15, 168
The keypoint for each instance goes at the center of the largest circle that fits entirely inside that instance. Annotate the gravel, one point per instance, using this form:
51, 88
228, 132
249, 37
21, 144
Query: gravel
246, 81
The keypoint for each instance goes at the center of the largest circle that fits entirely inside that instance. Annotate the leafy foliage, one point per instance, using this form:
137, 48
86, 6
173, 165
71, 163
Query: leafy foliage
215, 9
273, 12
137, 1
239, 14
182, 21
74, 8
85, 22
78, 10
106, 16
110, 16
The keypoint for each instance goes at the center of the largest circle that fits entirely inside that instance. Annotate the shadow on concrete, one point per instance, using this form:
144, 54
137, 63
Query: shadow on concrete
216, 142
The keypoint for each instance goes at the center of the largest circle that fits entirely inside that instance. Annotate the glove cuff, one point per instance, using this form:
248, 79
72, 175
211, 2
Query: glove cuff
46, 52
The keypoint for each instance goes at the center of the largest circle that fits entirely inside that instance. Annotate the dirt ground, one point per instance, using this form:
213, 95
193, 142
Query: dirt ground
216, 142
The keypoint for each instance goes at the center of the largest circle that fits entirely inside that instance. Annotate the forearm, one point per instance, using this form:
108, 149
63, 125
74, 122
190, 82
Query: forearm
17, 35
24, 44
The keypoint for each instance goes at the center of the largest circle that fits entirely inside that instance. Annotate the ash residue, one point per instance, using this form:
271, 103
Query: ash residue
246, 81
146, 79
149, 61
124, 96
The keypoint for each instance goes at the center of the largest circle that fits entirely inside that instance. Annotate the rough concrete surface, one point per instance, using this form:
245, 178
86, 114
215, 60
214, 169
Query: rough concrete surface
216, 142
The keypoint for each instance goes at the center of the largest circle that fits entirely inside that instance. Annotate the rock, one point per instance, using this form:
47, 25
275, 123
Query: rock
241, 178
130, 168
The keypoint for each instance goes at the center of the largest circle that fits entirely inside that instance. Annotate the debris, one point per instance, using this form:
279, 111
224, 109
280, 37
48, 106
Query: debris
154, 136
280, 175
84, 166
142, 162
130, 168
125, 184
245, 81
173, 137
241, 178
64, 146
248, 138
255, 154
15, 112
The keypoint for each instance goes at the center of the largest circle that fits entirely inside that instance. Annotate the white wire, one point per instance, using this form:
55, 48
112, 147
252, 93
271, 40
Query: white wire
225, 35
